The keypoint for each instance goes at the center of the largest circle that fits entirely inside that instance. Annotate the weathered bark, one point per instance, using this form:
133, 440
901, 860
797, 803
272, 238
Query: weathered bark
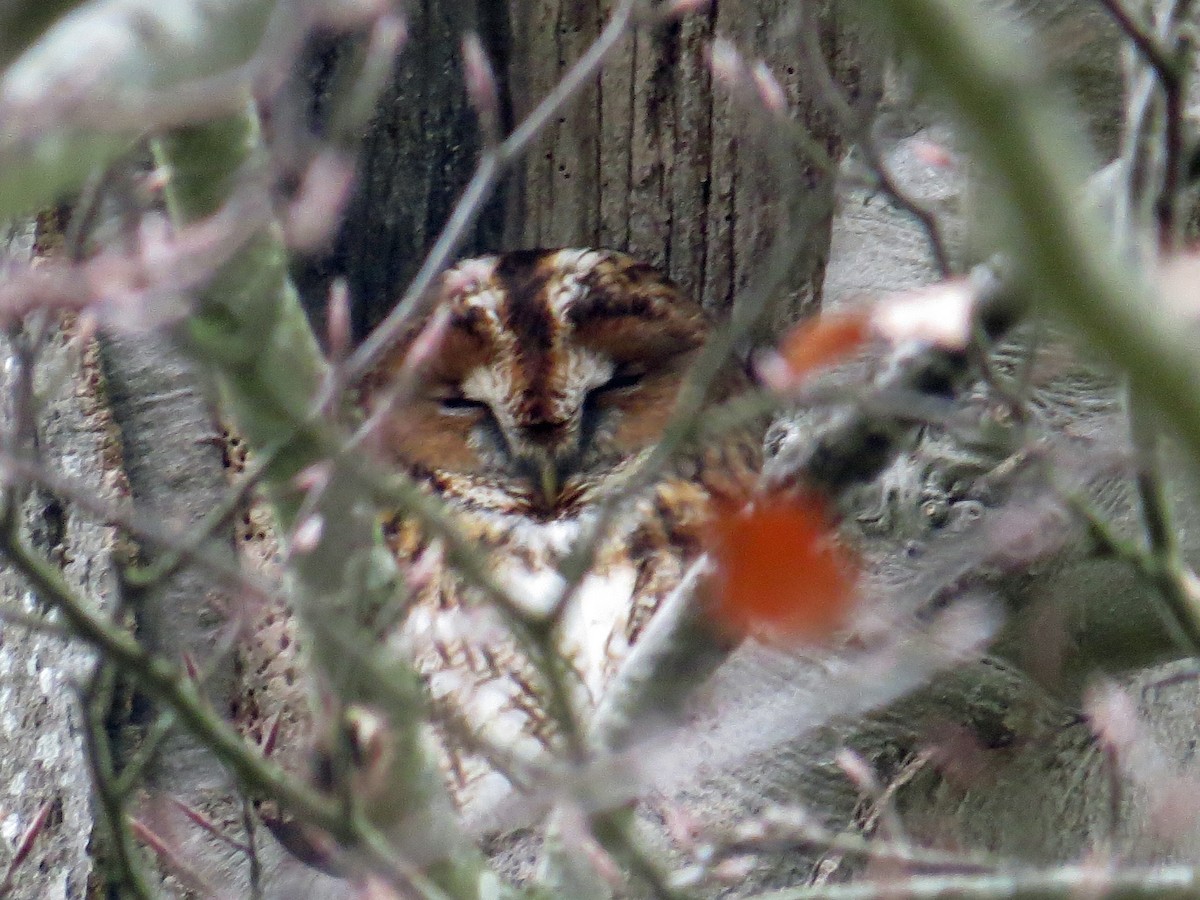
416, 156
43, 765
173, 462
653, 158
657, 160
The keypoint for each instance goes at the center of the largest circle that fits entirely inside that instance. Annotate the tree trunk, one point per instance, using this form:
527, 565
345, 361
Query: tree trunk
44, 769
658, 160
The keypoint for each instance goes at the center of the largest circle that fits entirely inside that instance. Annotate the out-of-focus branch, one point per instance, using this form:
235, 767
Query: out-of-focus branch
1163, 559
865, 438
122, 856
165, 683
681, 648
24, 21
778, 830
1037, 164
249, 328
72, 103
1157, 883
183, 545
176, 690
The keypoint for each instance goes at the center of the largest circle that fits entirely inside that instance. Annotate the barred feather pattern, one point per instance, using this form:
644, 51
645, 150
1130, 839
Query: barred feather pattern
539, 384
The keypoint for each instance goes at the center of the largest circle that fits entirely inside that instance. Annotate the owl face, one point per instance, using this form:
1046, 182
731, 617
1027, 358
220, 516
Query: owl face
553, 372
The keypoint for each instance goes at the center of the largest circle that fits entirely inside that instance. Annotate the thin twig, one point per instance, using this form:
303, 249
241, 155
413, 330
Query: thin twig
857, 125
471, 563
250, 824
170, 858
1145, 42
686, 423
1166, 55
35, 623
140, 760
208, 825
145, 528
25, 847
784, 830
1178, 585
614, 829
191, 542
96, 700
1154, 883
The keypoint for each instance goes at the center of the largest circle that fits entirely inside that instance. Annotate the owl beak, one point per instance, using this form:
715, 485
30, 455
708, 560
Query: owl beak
540, 460
548, 480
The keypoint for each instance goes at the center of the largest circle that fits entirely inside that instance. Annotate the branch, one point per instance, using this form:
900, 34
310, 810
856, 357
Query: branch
1167, 56
1037, 162
96, 699
1158, 883
173, 688
54, 97
250, 330
858, 126
24, 21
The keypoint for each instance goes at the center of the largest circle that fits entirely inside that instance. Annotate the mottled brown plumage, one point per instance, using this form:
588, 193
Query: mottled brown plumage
539, 384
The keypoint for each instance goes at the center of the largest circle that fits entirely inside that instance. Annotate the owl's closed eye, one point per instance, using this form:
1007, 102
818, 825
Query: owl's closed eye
556, 370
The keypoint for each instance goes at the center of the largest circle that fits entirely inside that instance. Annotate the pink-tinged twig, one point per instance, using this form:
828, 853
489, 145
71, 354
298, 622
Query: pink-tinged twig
203, 822
25, 846
170, 858
315, 211
483, 91
138, 289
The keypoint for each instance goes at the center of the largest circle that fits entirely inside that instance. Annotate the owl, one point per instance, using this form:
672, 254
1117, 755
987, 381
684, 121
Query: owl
539, 384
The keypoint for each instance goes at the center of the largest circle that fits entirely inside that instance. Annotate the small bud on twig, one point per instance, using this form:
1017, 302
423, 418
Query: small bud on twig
170, 857
271, 734
337, 319
317, 207
428, 342
482, 90
314, 477
856, 769
190, 667
770, 91
726, 63
308, 534
204, 822
28, 838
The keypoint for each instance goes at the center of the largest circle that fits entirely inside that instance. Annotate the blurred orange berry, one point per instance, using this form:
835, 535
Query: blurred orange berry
779, 570
819, 342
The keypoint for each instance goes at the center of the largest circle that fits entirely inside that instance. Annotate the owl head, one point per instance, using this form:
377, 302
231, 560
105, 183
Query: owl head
553, 372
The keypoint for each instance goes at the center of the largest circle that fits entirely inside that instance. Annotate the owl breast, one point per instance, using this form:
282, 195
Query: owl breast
542, 381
